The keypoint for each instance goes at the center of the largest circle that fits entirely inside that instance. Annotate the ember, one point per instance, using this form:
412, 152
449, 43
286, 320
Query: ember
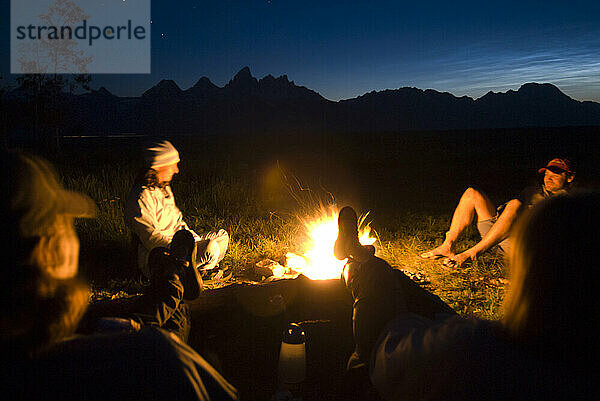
318, 262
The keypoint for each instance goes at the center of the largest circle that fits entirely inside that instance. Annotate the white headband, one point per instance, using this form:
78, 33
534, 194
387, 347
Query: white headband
161, 154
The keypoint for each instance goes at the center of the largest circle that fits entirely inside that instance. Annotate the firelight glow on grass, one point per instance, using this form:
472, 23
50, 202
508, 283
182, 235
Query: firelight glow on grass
318, 262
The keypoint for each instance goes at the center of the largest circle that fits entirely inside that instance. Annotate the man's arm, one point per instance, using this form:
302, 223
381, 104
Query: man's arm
419, 359
498, 232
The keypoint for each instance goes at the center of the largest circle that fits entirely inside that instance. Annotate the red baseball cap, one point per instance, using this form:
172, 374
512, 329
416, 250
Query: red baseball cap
558, 164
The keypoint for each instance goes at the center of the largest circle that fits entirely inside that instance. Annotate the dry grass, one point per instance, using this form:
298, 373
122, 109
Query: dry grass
259, 196
476, 288
256, 234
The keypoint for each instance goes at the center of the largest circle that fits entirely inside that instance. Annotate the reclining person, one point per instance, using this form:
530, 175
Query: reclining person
44, 300
545, 347
493, 224
379, 291
153, 216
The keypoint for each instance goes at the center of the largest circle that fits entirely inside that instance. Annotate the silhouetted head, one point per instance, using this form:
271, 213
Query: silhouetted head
553, 300
42, 299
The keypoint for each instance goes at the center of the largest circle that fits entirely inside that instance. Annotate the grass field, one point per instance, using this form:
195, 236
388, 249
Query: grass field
257, 188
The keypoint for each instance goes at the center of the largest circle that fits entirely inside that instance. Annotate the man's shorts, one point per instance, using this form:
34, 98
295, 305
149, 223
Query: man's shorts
484, 227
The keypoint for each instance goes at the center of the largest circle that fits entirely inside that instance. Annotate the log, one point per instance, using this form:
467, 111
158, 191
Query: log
271, 298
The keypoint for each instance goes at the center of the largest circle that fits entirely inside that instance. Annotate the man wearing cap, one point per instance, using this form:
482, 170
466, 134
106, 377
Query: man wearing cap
154, 217
494, 224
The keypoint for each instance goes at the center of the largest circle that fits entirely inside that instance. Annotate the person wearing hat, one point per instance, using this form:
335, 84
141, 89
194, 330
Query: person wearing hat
153, 216
43, 301
494, 224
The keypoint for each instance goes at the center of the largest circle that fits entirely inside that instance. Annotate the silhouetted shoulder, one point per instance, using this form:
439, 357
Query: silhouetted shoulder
150, 364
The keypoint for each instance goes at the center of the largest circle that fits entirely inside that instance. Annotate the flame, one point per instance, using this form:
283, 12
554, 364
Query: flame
318, 262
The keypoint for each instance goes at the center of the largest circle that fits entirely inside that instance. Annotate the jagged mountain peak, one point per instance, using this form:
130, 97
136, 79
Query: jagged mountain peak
271, 78
536, 89
204, 82
530, 91
269, 81
102, 91
168, 83
164, 87
242, 83
243, 75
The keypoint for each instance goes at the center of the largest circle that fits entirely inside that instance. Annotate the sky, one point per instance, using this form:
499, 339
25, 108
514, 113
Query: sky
343, 49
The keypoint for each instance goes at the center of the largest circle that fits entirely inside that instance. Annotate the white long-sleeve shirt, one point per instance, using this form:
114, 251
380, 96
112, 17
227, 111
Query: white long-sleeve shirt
154, 217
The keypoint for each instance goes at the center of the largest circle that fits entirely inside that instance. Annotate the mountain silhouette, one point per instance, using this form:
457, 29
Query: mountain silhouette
249, 105
243, 82
102, 91
165, 88
203, 88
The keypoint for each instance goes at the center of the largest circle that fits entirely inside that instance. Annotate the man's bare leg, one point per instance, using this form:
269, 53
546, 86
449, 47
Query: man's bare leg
473, 203
499, 230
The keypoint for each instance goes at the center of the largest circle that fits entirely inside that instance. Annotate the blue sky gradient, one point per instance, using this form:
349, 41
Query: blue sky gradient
343, 49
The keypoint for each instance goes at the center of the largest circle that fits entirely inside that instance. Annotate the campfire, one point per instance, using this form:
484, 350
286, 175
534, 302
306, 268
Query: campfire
317, 262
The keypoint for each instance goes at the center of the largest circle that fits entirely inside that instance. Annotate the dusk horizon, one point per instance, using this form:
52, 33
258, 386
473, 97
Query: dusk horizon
300, 200
343, 50
516, 87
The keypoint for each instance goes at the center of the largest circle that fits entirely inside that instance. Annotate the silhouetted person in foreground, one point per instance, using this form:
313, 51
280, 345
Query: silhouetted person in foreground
494, 225
43, 301
545, 347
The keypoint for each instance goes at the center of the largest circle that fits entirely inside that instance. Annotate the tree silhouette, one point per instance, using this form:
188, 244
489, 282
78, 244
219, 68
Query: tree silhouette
42, 61
53, 56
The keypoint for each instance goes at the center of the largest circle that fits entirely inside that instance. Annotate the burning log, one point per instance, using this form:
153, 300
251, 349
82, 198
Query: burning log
269, 268
318, 262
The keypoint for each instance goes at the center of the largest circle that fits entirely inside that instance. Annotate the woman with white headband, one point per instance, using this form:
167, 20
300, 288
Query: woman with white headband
154, 217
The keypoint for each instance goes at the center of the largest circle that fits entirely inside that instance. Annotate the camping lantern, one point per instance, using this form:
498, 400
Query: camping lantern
292, 356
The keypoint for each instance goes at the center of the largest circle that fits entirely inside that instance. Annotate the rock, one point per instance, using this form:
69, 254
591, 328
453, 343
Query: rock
268, 268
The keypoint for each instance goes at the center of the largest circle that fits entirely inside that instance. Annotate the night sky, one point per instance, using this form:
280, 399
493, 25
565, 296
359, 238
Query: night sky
344, 49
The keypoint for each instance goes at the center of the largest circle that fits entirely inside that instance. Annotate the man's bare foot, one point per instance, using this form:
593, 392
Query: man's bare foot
456, 261
438, 253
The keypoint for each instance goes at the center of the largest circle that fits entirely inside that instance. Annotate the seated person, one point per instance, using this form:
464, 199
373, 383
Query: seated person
153, 216
545, 347
44, 300
494, 224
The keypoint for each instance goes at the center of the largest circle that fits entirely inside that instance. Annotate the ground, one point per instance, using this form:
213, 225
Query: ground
259, 188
